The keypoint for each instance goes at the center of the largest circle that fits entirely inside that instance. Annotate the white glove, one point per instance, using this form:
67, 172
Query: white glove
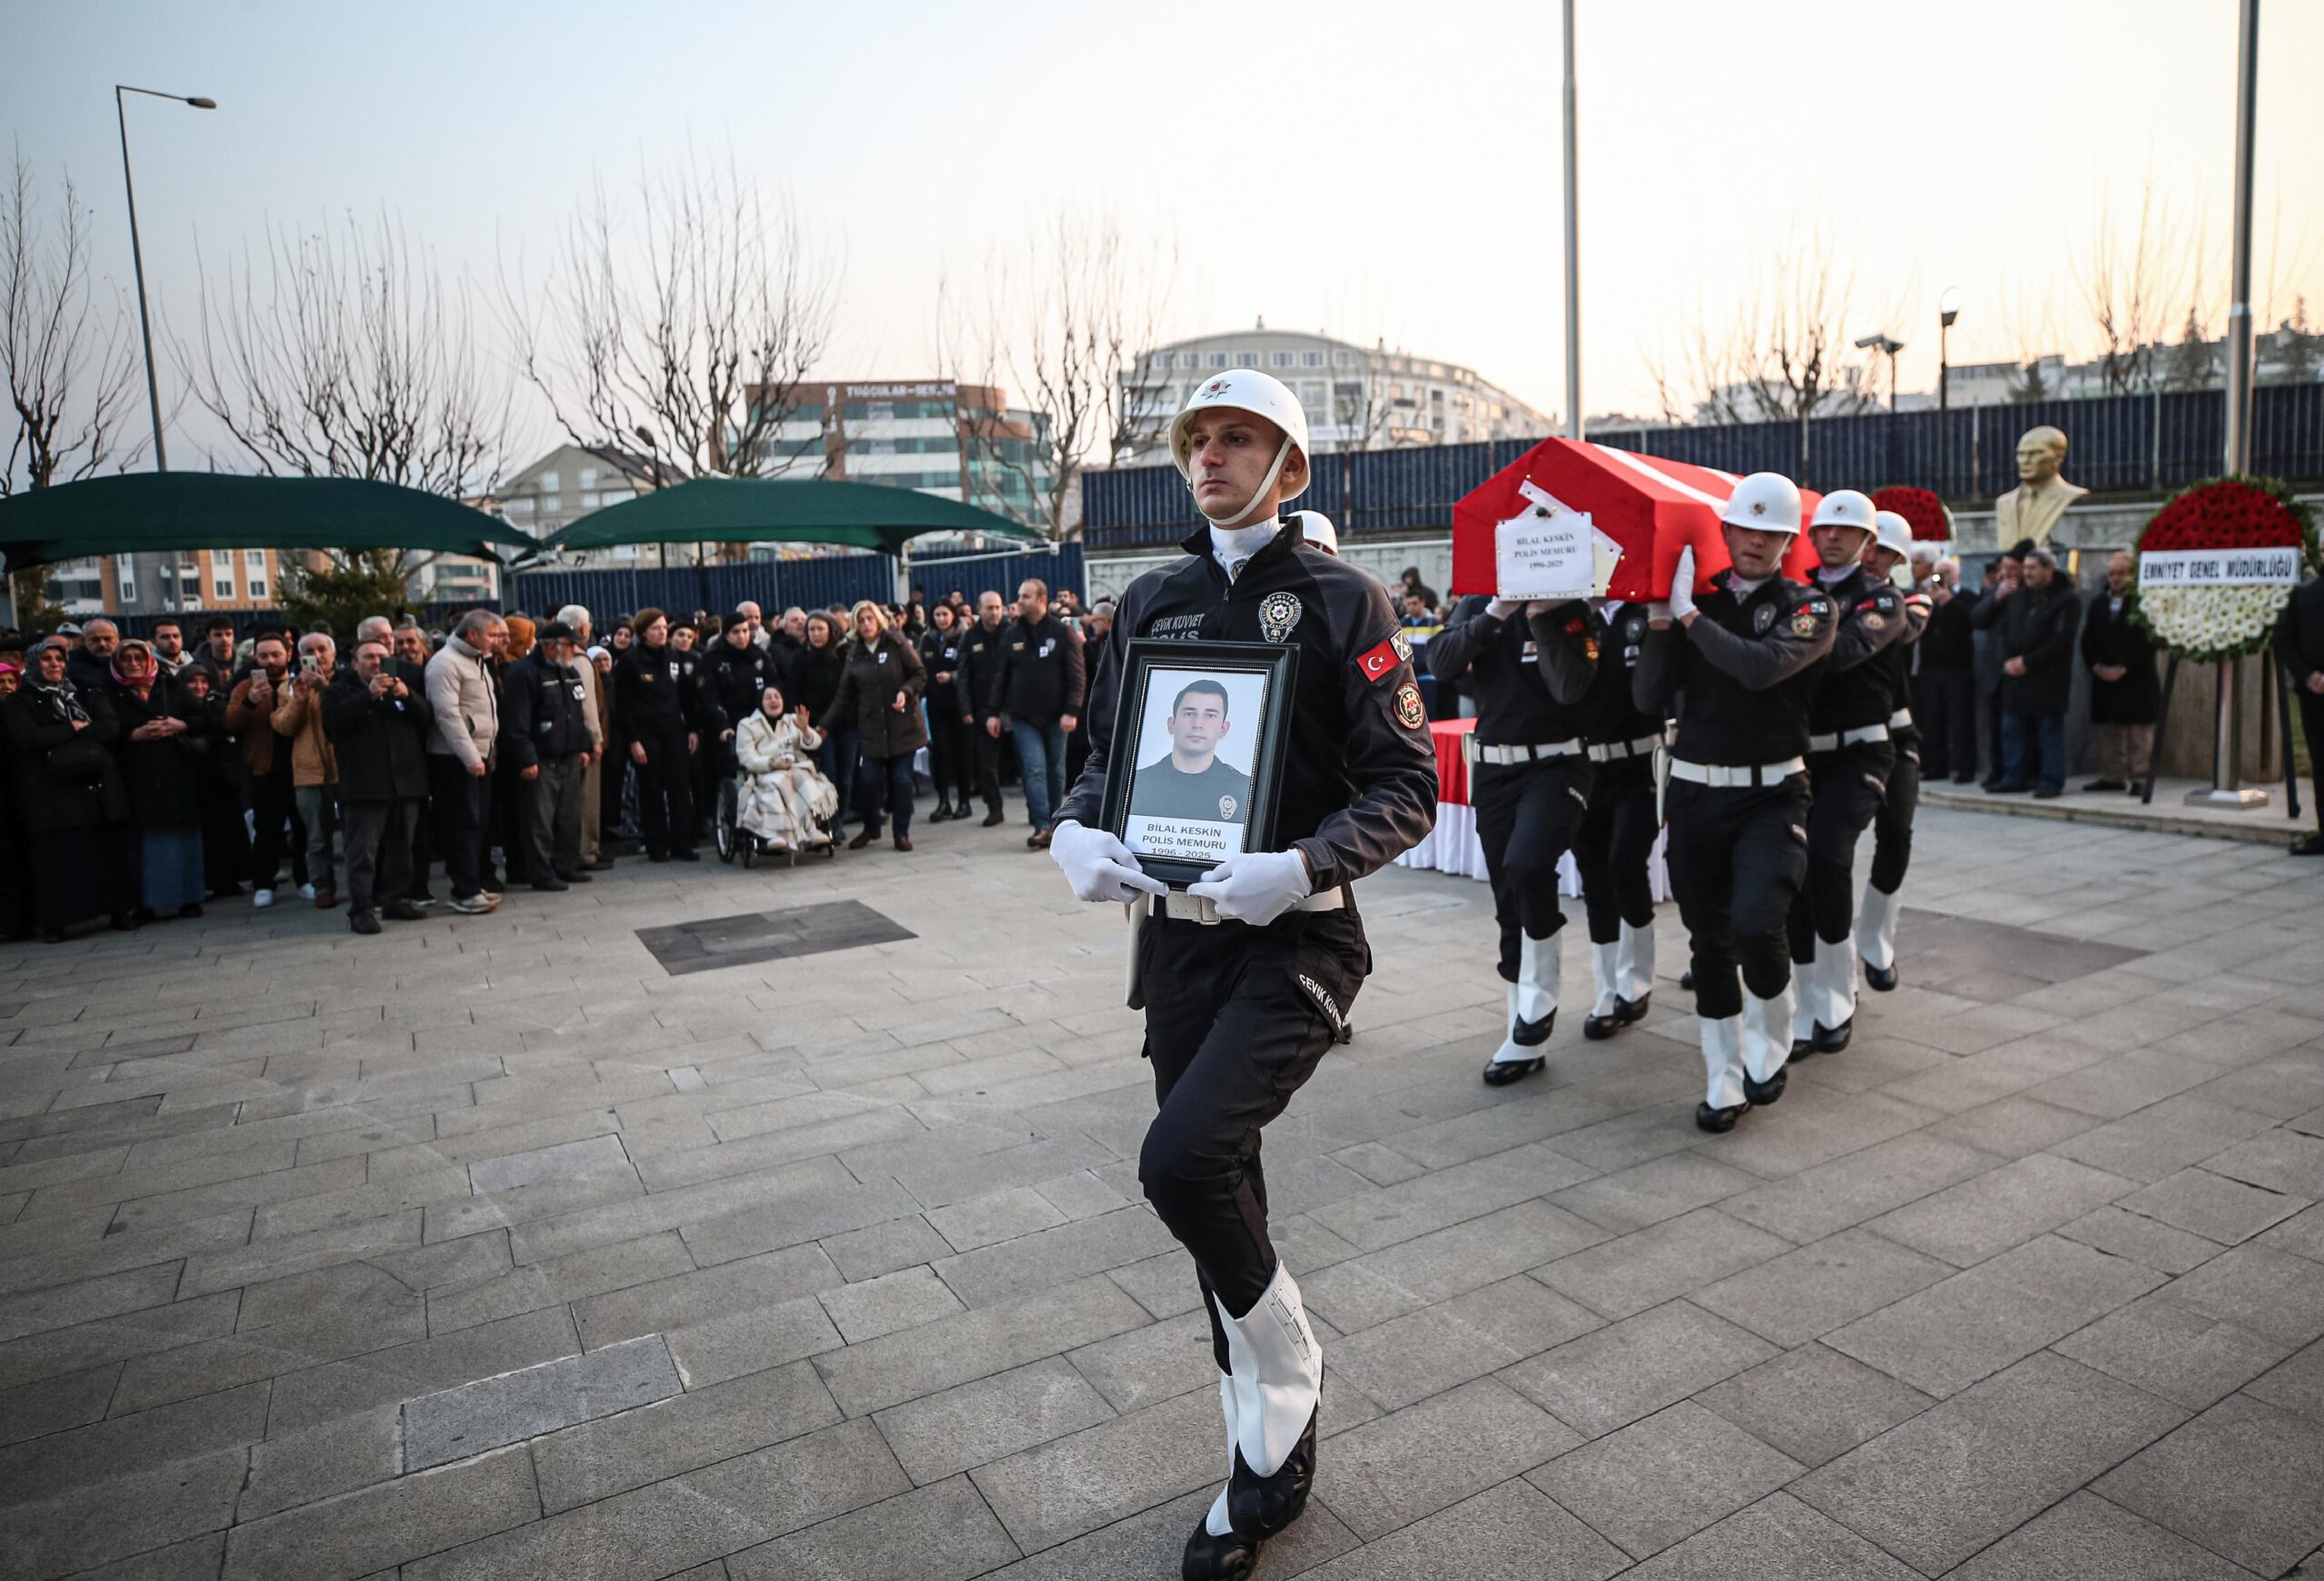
1682, 584
1098, 866
1502, 608
1659, 609
1255, 886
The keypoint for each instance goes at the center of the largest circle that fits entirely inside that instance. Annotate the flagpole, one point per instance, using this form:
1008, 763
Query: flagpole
1573, 249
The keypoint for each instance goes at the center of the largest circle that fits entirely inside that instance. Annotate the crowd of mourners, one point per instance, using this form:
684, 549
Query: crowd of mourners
144, 779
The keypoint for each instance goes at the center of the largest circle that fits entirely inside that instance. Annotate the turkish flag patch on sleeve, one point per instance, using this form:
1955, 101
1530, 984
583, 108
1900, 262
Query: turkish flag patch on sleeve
1382, 660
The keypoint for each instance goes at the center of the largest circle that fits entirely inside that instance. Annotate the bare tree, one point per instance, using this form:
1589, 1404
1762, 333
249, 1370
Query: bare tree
1066, 326
2130, 286
346, 356
69, 354
1784, 354
679, 346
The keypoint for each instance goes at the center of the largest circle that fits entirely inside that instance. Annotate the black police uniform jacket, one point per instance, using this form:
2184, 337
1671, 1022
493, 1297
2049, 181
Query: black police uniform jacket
1042, 677
1740, 671
734, 678
2110, 636
1529, 675
1358, 785
655, 692
543, 712
1853, 689
1610, 713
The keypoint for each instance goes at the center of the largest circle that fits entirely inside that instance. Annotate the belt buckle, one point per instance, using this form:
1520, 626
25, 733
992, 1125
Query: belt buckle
1181, 907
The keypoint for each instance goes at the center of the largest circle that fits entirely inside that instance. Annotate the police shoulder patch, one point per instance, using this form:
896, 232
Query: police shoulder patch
1410, 711
1804, 621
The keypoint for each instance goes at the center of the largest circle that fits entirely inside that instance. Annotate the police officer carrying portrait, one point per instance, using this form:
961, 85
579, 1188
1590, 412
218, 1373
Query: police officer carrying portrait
1529, 666
1849, 756
1247, 975
1740, 663
1616, 839
1892, 824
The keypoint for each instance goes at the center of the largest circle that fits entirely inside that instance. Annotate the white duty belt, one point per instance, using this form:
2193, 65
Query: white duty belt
1901, 720
1181, 907
1608, 751
1736, 776
1503, 757
1847, 738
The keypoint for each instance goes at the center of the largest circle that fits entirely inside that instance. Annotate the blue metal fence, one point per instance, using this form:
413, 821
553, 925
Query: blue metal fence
2120, 444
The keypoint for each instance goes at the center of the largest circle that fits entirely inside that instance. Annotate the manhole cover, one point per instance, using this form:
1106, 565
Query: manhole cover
766, 936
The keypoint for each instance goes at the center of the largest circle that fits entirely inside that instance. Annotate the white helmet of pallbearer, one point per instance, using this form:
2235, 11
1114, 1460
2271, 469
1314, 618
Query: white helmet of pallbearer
1246, 389
1766, 502
1847, 507
1895, 533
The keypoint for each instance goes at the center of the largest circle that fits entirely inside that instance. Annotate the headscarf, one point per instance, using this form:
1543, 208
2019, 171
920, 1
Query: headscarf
139, 689
59, 697
520, 637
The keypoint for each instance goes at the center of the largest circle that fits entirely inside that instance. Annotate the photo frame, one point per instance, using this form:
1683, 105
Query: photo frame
1197, 761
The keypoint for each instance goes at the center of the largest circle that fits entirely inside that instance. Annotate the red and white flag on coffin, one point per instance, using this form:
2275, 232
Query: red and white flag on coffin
1649, 507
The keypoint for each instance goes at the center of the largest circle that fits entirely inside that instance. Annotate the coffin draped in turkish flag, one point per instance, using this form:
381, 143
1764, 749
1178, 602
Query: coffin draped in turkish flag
1651, 508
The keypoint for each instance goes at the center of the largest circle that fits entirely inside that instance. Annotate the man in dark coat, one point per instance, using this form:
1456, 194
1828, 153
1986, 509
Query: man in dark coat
1944, 680
378, 725
546, 738
2124, 696
1038, 696
2300, 647
2033, 622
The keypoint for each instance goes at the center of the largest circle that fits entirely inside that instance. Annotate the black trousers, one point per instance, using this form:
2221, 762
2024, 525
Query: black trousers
1526, 816
463, 819
1945, 712
1237, 1019
664, 788
1611, 847
378, 836
423, 851
887, 781
273, 806
1737, 859
2312, 723
1845, 790
553, 819
988, 748
1892, 825
610, 779
952, 762
1991, 704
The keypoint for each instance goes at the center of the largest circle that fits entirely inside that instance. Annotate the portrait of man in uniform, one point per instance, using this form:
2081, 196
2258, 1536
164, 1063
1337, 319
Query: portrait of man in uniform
1190, 793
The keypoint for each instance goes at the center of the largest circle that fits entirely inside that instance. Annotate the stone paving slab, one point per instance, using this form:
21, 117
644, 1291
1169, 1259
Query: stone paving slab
490, 1248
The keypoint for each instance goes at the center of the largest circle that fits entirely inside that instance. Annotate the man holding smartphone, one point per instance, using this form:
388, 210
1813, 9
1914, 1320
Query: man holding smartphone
378, 723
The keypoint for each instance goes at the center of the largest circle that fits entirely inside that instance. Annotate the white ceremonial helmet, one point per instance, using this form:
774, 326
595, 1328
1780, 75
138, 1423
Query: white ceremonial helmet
1246, 389
1317, 529
1847, 507
1895, 533
1766, 502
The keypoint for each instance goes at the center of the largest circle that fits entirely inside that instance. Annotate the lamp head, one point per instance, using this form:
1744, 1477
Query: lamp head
1948, 306
203, 103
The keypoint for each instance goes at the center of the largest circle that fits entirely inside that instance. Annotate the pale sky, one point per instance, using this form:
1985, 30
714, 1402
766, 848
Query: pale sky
1372, 169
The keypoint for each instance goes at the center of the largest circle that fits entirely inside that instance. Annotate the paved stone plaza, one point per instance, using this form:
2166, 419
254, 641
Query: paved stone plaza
489, 1248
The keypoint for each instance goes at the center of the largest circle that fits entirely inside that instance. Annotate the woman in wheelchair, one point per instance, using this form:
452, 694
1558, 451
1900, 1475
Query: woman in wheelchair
782, 799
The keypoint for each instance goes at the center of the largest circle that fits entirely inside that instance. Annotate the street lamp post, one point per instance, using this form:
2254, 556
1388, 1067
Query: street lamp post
1887, 346
145, 318
1948, 308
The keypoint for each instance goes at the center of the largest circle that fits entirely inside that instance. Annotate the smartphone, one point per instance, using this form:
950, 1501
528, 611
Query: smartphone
308, 664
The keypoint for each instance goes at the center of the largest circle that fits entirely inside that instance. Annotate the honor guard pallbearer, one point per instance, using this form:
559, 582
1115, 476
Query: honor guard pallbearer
1739, 662
1892, 825
1617, 834
1248, 974
1849, 755
1529, 666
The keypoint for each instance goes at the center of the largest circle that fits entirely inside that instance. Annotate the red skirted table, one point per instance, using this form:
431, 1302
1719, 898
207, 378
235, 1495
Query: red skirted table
1452, 847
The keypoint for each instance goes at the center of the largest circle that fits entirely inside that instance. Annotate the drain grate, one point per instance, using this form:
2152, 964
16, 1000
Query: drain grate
767, 936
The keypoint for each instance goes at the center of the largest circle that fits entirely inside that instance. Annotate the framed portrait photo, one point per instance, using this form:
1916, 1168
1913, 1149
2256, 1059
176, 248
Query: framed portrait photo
1197, 752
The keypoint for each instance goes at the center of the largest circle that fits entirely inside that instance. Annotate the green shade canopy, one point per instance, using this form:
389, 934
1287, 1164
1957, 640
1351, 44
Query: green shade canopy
166, 511
773, 510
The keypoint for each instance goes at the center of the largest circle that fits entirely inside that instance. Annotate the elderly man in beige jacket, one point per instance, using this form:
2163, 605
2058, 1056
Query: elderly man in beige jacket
465, 695
592, 783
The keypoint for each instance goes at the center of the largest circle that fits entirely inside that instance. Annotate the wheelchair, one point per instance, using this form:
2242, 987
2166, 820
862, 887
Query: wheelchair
733, 840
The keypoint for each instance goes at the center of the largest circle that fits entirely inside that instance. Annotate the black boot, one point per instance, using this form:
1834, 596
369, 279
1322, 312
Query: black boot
1879, 979
1687, 981
1264, 1505
1832, 1040
1597, 1028
1227, 1558
1768, 1091
1717, 1120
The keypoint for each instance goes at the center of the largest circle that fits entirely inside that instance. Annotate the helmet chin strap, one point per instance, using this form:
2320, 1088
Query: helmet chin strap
1257, 502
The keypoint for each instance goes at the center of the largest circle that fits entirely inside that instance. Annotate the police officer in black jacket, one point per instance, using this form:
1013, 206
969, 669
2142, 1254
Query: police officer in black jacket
2299, 648
1529, 666
1739, 662
1892, 825
979, 676
661, 716
1849, 756
734, 674
544, 726
949, 763
1247, 975
1616, 838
